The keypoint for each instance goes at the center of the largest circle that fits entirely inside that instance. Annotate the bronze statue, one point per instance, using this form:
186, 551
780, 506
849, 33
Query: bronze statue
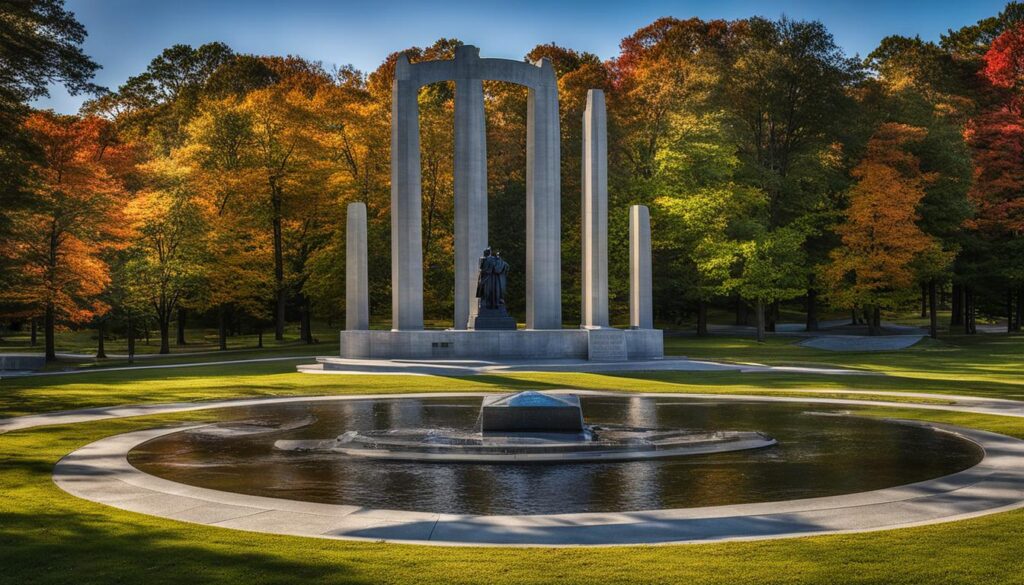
490, 293
489, 285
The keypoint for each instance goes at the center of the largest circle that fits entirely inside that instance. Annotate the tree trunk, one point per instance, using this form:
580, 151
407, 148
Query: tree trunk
702, 318
259, 338
35, 326
812, 309
759, 310
164, 322
1009, 310
307, 321
180, 322
970, 326
131, 340
873, 315
933, 309
773, 316
853, 316
956, 316
222, 327
742, 312
1020, 309
48, 330
924, 300
101, 330
278, 265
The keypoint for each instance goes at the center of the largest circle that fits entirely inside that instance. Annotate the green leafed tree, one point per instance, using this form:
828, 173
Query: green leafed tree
771, 269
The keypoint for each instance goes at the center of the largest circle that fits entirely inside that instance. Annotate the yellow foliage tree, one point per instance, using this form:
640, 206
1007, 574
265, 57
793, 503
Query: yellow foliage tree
882, 244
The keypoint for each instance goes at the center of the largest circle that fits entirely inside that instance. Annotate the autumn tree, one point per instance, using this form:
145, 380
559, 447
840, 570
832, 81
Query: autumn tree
40, 46
283, 154
881, 241
352, 128
789, 100
157, 105
264, 162
165, 258
671, 150
921, 85
996, 137
75, 214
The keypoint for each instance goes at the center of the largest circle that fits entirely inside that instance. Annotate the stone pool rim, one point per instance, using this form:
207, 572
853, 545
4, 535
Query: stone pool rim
100, 472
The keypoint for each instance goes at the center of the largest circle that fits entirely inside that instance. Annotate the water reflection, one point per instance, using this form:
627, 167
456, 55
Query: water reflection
816, 456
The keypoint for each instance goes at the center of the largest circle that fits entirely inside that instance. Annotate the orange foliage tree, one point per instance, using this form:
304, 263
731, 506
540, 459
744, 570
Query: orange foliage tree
881, 241
74, 217
996, 138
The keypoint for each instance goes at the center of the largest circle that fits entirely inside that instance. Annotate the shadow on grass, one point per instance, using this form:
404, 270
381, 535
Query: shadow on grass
96, 548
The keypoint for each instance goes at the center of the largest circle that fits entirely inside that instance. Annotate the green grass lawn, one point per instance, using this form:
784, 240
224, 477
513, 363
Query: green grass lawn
47, 536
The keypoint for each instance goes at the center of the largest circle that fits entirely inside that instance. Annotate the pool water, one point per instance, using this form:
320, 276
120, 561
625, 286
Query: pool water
820, 452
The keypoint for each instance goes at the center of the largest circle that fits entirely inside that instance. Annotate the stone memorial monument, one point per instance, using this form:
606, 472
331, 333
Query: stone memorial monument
482, 327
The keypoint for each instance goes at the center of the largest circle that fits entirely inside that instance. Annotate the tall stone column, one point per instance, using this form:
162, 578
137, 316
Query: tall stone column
594, 211
406, 223
641, 315
357, 292
543, 205
470, 182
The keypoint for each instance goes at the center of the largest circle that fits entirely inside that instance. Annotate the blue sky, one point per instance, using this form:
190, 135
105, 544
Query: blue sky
124, 35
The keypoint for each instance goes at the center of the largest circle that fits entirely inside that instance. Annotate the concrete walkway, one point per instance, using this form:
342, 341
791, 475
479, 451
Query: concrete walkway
100, 472
826, 327
861, 343
22, 374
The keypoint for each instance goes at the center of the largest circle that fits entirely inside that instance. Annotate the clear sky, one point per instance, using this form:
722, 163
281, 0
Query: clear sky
124, 35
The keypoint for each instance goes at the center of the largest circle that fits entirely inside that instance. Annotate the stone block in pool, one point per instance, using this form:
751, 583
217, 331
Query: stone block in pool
531, 412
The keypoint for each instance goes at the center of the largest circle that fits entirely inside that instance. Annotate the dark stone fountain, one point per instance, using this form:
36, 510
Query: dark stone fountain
528, 427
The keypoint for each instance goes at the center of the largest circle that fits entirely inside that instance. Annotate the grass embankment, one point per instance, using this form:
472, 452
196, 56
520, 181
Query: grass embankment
982, 364
47, 536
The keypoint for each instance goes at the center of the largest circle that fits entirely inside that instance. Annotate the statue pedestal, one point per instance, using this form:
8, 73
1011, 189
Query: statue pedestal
522, 344
493, 319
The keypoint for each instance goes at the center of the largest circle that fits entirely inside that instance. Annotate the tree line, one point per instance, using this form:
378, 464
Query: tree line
778, 169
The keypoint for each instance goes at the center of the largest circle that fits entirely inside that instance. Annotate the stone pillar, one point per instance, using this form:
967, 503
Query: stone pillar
470, 182
641, 314
543, 205
357, 292
406, 223
594, 211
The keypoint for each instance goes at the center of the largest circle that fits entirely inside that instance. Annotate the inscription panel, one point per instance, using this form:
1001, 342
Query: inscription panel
606, 345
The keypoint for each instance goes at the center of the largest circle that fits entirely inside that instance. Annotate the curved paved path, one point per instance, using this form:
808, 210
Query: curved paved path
100, 472
23, 374
347, 366
861, 343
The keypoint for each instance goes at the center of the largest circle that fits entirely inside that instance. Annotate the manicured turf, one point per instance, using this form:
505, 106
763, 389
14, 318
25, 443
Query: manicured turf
47, 536
983, 365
